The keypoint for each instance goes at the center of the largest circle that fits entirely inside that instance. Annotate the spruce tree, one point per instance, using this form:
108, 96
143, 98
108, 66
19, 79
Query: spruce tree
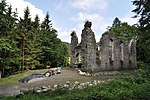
142, 11
25, 35
8, 50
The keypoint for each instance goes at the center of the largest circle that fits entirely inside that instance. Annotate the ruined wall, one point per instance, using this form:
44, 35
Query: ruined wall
88, 48
74, 43
110, 53
116, 53
104, 53
132, 54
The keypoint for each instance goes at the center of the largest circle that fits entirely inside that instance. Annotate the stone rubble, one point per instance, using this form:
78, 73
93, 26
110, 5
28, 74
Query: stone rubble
68, 85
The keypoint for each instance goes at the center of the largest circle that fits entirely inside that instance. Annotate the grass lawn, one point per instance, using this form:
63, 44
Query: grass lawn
11, 79
15, 78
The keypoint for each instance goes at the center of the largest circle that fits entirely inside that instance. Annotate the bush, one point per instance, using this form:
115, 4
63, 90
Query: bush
143, 69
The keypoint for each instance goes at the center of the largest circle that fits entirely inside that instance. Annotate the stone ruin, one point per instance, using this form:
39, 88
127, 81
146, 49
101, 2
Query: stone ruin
110, 53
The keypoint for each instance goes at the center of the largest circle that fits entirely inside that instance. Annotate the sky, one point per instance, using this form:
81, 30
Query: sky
70, 15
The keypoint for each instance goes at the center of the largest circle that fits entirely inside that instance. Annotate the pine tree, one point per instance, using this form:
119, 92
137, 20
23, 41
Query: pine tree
116, 22
47, 25
25, 35
3, 10
35, 49
36, 22
8, 50
142, 12
26, 44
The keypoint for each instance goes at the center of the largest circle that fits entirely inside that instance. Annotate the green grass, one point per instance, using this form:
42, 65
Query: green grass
12, 79
127, 71
17, 77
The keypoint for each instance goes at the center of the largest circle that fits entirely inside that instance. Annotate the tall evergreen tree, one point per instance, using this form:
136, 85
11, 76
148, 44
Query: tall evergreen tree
116, 22
36, 22
25, 35
52, 47
48, 38
11, 35
8, 50
47, 25
35, 43
142, 12
26, 44
3, 10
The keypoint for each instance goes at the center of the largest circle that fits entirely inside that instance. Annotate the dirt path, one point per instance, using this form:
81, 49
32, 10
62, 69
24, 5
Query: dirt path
66, 75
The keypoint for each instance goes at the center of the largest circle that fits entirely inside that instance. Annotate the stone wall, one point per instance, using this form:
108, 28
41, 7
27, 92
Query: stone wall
116, 53
132, 54
110, 53
88, 47
74, 43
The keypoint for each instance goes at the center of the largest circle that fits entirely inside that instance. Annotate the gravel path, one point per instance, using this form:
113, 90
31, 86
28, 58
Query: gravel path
66, 75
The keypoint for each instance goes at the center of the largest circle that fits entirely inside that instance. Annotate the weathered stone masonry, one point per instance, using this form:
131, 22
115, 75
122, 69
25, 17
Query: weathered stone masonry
110, 53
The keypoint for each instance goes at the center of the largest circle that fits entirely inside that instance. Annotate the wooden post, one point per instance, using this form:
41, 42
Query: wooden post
0, 74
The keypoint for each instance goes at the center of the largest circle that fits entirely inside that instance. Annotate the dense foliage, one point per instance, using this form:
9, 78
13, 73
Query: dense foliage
27, 44
142, 12
123, 29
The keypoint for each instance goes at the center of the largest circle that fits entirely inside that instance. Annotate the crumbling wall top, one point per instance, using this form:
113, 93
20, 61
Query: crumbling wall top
73, 33
88, 24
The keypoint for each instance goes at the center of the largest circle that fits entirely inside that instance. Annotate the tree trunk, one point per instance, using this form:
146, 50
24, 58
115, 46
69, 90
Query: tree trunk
22, 51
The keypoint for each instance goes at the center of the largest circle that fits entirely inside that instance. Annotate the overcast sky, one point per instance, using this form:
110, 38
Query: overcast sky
69, 15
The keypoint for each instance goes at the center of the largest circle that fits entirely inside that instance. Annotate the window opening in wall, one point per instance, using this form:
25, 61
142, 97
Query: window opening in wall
111, 47
98, 48
100, 55
122, 52
79, 60
130, 63
86, 46
110, 42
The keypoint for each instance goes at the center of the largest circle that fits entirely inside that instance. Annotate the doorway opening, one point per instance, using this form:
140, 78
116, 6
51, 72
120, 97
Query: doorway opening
79, 60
